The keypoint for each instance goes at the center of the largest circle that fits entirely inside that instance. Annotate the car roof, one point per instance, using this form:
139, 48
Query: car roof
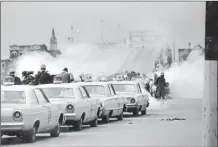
96, 83
124, 82
67, 85
17, 87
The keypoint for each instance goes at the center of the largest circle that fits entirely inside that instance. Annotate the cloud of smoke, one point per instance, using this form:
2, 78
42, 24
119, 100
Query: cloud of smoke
96, 60
187, 80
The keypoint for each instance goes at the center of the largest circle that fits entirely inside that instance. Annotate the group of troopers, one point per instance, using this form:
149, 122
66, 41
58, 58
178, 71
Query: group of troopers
42, 77
157, 86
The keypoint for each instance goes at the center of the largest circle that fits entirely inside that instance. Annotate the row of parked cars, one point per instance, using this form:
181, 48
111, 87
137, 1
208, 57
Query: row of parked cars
27, 110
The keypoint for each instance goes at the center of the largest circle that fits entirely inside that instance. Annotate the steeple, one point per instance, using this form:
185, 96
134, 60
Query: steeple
53, 41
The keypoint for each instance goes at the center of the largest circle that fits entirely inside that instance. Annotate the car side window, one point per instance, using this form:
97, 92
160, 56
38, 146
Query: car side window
40, 96
139, 88
111, 90
83, 92
33, 99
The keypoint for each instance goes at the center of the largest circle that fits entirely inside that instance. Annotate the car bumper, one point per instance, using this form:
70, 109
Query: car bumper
69, 116
12, 126
130, 107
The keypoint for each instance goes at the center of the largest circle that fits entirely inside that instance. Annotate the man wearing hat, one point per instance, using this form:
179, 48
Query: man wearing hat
161, 83
65, 76
43, 77
17, 80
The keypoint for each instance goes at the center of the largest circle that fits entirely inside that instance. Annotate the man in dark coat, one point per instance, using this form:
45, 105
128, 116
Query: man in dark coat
27, 78
161, 83
17, 80
43, 77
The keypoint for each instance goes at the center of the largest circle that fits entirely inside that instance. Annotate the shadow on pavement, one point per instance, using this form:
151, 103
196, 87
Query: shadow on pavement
13, 140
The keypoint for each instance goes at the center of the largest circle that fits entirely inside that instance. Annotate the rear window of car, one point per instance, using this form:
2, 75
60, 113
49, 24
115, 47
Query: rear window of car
119, 88
59, 92
13, 97
95, 89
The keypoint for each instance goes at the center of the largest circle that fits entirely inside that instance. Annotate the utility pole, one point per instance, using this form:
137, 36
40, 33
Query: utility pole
118, 32
210, 76
102, 31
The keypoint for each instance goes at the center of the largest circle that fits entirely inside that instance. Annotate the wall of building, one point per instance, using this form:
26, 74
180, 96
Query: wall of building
5, 66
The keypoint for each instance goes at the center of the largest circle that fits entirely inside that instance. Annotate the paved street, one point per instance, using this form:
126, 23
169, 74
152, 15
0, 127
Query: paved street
149, 130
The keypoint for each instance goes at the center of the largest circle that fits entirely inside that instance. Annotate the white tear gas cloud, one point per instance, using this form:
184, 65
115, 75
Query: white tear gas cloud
85, 58
187, 80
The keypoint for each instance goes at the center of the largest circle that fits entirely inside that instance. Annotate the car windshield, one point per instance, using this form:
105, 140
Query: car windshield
13, 97
95, 89
119, 88
58, 92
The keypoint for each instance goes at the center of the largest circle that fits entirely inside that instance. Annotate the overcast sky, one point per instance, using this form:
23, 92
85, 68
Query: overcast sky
32, 22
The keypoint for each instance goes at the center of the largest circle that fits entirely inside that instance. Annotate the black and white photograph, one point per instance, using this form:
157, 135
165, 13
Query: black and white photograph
109, 73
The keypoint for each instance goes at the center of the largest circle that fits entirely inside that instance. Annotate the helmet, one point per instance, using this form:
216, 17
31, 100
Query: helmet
88, 78
119, 78
11, 70
43, 66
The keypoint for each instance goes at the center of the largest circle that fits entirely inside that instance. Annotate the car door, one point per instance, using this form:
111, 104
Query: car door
115, 100
88, 106
94, 104
45, 117
141, 97
53, 112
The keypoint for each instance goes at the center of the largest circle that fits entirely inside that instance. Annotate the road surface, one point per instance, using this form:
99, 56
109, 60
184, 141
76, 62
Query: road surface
149, 130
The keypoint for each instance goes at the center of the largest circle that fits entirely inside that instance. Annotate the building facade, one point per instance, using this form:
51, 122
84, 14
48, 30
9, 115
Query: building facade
16, 51
184, 53
5, 65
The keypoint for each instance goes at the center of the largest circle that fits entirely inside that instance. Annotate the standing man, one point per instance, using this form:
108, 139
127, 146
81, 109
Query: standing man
65, 76
43, 77
17, 80
161, 83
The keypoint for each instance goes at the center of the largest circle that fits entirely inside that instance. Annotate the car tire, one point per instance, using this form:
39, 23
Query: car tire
56, 131
106, 118
94, 122
144, 112
120, 117
136, 112
78, 125
20, 136
30, 136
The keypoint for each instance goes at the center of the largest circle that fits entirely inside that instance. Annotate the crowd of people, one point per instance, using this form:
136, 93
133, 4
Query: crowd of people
155, 85
42, 77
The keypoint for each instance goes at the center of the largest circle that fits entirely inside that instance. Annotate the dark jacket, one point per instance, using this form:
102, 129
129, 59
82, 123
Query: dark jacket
27, 80
147, 87
160, 82
42, 78
17, 81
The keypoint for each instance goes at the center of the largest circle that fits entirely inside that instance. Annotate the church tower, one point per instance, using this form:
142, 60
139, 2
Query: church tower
53, 41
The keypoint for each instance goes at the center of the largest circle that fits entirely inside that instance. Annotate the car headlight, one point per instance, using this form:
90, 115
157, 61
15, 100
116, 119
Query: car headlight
70, 108
17, 116
132, 100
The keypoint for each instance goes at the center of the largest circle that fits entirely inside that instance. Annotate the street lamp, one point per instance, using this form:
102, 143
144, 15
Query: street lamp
102, 32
